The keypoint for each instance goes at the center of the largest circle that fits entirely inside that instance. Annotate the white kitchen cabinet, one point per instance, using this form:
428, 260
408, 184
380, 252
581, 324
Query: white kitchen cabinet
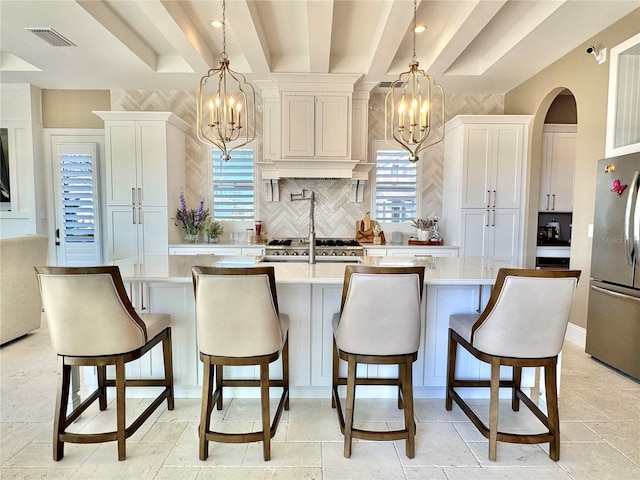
229, 250
422, 251
483, 186
315, 126
271, 129
491, 233
375, 252
145, 170
557, 169
360, 128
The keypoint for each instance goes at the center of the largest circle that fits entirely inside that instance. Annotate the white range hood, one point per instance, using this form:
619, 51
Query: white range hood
314, 168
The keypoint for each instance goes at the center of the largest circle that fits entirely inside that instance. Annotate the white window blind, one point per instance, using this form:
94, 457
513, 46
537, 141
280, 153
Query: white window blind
395, 186
233, 186
78, 197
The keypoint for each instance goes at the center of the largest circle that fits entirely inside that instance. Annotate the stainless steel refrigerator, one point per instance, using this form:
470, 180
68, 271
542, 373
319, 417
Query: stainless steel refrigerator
613, 323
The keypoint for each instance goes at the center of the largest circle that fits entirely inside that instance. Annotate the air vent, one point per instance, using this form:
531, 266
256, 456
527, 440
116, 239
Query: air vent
389, 84
52, 37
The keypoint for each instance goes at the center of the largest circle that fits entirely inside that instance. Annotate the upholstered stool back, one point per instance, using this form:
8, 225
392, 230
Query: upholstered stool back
528, 319
236, 315
86, 315
380, 314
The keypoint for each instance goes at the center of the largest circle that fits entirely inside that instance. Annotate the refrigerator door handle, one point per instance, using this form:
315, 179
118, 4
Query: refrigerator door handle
615, 294
636, 223
628, 230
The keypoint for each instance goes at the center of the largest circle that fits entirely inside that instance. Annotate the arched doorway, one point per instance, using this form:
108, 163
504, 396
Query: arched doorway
556, 174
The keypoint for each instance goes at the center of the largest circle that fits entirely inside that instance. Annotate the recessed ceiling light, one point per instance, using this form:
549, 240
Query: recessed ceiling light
216, 23
420, 28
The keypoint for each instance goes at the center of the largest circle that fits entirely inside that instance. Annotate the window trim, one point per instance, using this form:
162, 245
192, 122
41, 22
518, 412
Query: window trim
404, 226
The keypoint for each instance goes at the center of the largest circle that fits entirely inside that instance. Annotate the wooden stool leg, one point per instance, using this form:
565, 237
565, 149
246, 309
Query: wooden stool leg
407, 394
401, 374
335, 368
121, 408
102, 377
62, 400
493, 408
266, 414
219, 387
285, 368
206, 408
552, 410
517, 376
168, 368
451, 370
351, 396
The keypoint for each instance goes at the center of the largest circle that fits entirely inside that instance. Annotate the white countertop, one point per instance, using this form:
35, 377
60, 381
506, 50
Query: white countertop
439, 270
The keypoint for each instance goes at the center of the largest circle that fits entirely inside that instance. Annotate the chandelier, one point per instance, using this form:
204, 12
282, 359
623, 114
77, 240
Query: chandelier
226, 115
408, 108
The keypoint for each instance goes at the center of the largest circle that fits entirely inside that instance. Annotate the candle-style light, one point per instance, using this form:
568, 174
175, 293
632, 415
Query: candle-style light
220, 98
413, 90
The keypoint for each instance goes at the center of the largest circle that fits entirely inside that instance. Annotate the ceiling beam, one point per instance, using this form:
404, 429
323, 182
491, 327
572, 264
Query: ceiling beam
395, 19
245, 21
320, 25
110, 21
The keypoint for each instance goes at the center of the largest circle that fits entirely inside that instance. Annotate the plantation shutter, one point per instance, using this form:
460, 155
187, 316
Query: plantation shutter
78, 197
395, 186
233, 186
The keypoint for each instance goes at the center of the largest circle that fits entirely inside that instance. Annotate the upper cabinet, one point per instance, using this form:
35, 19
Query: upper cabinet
623, 113
558, 165
315, 126
489, 152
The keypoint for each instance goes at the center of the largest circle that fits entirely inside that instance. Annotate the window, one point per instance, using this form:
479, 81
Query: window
233, 189
395, 187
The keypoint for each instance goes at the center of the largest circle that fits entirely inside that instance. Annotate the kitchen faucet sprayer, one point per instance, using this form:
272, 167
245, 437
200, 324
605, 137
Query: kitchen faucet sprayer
312, 228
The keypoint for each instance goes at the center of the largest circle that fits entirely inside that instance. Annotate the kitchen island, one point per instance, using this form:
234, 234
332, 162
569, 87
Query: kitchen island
310, 295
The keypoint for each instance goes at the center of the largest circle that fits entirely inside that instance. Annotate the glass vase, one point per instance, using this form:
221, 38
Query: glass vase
190, 238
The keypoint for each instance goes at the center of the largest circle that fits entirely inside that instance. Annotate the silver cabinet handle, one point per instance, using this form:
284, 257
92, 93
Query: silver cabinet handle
133, 215
133, 196
494, 199
140, 215
553, 204
488, 198
493, 224
488, 214
548, 201
139, 196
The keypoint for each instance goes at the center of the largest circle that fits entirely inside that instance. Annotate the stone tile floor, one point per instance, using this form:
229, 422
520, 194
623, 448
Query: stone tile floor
599, 413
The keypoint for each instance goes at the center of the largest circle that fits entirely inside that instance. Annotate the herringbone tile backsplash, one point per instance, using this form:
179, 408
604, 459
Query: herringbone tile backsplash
335, 214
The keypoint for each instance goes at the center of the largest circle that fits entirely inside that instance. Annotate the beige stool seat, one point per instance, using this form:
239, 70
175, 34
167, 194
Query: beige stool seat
378, 323
238, 323
523, 325
92, 323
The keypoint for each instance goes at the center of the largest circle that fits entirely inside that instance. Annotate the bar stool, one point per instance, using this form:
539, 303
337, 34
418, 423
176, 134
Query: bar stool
523, 325
378, 323
92, 323
238, 323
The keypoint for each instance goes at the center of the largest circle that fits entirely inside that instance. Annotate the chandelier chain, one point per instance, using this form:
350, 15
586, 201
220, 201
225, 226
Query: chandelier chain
415, 7
224, 29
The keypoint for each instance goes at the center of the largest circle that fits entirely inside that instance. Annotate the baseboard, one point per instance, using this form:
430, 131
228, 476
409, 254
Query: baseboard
576, 335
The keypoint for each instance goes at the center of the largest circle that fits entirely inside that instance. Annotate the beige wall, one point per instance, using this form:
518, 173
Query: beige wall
72, 108
588, 81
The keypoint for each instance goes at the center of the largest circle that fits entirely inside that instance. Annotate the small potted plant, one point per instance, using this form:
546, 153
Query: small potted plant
212, 230
423, 225
190, 219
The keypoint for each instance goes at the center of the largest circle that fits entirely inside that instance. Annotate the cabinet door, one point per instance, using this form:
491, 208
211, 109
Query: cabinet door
152, 163
298, 119
562, 172
152, 231
121, 165
503, 241
506, 166
375, 252
474, 230
122, 232
271, 130
476, 183
331, 126
545, 172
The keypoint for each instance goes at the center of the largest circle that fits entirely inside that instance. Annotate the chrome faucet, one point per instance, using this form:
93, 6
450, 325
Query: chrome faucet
312, 228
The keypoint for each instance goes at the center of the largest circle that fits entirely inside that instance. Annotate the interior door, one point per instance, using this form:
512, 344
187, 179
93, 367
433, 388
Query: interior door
76, 200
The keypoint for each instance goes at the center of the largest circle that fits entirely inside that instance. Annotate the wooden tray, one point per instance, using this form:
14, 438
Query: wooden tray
415, 241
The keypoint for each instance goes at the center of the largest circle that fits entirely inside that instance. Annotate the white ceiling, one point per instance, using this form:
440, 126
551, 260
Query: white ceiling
470, 46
